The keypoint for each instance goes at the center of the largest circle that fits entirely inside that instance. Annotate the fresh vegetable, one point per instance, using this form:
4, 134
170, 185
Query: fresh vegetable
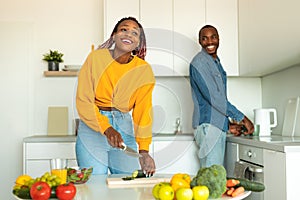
78, 176
213, 177
66, 191
180, 180
238, 191
232, 182
22, 179
230, 191
250, 185
136, 174
22, 192
40, 191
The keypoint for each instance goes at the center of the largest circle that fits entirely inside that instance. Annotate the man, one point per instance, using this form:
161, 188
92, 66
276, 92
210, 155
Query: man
212, 110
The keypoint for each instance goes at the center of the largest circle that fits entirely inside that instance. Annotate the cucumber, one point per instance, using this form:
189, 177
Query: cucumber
250, 185
136, 174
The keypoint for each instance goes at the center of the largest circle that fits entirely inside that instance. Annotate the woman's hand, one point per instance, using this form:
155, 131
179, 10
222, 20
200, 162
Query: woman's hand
147, 163
114, 138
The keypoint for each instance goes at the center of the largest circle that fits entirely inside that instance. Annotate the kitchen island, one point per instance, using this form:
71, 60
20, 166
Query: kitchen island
96, 188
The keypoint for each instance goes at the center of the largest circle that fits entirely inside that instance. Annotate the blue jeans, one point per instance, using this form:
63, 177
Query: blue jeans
93, 149
211, 141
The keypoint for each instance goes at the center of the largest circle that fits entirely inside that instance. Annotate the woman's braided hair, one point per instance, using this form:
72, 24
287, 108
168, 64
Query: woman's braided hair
140, 51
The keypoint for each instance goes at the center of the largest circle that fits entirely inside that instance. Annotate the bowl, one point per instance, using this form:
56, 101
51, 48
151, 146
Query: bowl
79, 176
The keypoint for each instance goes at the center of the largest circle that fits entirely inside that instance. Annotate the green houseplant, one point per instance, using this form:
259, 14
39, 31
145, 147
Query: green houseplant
53, 58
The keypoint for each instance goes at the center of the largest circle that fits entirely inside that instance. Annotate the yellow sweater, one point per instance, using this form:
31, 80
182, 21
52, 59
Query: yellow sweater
104, 82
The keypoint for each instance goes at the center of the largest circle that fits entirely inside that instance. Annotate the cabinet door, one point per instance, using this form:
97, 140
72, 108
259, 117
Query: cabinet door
176, 157
114, 10
274, 175
231, 156
223, 15
156, 17
36, 168
189, 17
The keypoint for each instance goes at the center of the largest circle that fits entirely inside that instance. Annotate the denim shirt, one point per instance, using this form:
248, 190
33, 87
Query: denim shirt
209, 92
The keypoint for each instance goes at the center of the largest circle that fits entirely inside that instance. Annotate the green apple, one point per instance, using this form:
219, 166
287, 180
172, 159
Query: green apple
184, 194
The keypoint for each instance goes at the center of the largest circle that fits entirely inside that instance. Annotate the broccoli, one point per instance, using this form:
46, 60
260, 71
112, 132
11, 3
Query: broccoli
214, 177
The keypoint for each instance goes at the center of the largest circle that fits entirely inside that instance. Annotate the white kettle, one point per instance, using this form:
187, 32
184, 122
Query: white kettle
262, 117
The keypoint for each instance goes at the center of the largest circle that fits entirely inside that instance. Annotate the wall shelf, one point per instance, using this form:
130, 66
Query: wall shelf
60, 73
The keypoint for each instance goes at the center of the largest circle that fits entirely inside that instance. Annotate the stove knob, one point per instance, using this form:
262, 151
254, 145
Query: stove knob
249, 153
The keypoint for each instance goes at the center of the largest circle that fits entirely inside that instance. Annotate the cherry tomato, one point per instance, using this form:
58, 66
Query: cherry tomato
40, 191
66, 191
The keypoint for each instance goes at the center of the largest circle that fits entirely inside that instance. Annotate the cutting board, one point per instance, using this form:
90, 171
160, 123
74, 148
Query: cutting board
118, 182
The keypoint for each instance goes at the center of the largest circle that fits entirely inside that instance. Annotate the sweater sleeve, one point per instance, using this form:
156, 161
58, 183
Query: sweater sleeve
85, 96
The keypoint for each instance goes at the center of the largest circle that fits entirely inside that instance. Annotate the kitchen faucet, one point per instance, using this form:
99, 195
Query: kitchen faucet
178, 126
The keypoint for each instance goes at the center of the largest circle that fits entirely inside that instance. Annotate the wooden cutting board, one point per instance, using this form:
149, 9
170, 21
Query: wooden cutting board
118, 182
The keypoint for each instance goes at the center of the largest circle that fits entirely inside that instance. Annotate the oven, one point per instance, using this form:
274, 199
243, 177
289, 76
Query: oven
250, 166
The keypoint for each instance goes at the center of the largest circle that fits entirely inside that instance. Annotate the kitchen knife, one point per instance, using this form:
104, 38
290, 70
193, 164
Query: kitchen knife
130, 151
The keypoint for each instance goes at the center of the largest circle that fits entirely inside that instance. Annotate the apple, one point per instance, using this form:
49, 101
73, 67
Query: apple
184, 194
200, 192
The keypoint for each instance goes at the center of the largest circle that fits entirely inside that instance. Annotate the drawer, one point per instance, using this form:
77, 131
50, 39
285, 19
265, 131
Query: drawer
50, 150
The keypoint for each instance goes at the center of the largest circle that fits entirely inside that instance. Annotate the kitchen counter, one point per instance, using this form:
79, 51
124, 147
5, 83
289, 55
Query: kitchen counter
274, 142
96, 188
72, 138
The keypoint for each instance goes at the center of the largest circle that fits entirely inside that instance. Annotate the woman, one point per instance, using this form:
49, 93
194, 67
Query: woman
113, 82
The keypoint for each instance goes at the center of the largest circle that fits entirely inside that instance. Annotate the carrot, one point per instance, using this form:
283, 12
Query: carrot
232, 182
230, 191
238, 191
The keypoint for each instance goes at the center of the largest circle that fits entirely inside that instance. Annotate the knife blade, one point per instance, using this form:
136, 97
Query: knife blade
130, 151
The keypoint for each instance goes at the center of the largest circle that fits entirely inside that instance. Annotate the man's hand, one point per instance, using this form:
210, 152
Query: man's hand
249, 126
147, 163
114, 138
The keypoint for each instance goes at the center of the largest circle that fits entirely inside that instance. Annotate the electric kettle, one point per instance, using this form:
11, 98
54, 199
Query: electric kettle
262, 117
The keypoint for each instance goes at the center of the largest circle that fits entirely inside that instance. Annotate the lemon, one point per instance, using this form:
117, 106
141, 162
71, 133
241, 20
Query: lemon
166, 192
21, 180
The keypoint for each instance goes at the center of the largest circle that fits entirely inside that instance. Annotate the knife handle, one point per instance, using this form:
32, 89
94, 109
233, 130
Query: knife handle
124, 146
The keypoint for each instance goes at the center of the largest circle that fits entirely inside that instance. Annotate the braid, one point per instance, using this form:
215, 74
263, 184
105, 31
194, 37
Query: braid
140, 51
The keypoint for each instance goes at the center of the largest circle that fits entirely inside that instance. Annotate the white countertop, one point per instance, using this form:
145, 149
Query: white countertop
274, 142
72, 138
96, 188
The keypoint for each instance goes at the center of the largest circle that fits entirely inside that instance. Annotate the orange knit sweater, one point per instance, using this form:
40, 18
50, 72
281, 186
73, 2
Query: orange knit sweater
128, 87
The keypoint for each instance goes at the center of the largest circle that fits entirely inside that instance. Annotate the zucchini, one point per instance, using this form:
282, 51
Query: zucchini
250, 185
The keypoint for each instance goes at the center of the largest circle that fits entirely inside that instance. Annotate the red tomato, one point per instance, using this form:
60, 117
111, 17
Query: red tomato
66, 191
40, 191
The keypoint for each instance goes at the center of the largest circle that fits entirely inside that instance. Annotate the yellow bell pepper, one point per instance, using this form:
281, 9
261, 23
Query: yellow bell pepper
180, 180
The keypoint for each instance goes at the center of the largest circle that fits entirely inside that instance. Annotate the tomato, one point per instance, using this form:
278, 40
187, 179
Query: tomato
66, 191
40, 191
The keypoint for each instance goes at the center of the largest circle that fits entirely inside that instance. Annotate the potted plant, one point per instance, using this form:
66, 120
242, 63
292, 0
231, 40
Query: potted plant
53, 58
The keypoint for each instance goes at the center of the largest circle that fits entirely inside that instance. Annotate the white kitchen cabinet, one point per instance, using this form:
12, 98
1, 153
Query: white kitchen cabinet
189, 17
37, 155
156, 17
275, 175
224, 16
231, 157
114, 10
177, 156
261, 24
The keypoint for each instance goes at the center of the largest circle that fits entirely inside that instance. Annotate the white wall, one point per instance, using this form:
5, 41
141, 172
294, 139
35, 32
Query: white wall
28, 29
277, 88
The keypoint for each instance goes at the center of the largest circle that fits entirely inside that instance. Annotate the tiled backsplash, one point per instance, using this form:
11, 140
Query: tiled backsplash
171, 100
